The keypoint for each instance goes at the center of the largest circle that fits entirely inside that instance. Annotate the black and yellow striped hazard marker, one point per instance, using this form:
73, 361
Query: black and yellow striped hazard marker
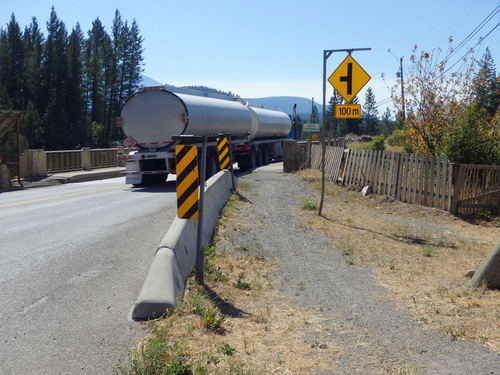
187, 186
223, 153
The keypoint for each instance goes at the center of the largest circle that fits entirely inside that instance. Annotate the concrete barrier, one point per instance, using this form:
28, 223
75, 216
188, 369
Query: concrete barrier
176, 257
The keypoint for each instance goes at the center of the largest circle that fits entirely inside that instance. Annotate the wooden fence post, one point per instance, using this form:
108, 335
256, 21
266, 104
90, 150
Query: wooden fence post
458, 171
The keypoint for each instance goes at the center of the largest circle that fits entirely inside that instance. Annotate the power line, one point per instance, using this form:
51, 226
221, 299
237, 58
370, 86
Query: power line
470, 50
475, 31
383, 101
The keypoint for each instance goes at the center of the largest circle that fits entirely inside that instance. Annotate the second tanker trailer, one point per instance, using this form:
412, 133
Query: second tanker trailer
153, 116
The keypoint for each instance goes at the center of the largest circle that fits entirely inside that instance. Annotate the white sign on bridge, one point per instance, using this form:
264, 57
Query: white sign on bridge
310, 127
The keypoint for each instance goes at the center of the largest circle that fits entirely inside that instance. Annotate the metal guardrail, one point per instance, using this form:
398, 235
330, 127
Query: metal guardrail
63, 161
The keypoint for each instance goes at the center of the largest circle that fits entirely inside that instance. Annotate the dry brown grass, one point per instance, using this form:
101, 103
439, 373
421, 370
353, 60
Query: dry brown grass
420, 255
265, 329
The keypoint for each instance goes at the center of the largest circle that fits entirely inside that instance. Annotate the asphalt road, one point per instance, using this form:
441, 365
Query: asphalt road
72, 261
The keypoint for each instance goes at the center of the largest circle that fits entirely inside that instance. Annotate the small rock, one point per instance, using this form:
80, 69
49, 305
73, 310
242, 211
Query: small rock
469, 273
365, 191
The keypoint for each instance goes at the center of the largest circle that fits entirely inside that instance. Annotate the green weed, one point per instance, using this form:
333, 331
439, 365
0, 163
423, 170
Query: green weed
347, 250
227, 349
309, 204
212, 320
209, 250
240, 284
150, 360
484, 215
428, 251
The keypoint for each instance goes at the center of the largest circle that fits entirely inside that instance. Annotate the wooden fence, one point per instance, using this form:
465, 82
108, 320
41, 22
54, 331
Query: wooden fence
333, 159
417, 179
478, 189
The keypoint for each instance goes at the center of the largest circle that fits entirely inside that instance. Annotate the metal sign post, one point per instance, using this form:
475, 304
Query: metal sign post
200, 253
326, 55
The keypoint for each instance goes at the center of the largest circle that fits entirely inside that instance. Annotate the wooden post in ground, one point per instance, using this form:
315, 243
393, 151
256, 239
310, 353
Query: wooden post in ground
458, 181
489, 271
320, 211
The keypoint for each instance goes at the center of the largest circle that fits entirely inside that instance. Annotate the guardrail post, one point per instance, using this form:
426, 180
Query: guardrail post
86, 159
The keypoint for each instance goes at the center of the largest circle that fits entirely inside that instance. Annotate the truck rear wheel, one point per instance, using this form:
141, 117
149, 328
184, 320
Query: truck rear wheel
265, 156
247, 162
153, 180
212, 165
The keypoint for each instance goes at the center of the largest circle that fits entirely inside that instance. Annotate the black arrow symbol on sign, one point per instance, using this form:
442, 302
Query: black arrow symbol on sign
348, 78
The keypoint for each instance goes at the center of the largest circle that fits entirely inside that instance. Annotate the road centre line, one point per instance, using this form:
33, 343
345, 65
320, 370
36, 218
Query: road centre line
59, 196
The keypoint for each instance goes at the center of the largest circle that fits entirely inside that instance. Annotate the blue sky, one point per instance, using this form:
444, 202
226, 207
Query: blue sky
265, 48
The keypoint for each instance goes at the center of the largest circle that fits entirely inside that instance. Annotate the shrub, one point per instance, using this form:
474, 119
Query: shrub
395, 138
378, 143
475, 139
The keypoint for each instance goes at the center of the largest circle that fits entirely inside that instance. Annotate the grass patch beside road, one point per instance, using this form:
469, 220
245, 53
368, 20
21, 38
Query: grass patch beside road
420, 255
238, 324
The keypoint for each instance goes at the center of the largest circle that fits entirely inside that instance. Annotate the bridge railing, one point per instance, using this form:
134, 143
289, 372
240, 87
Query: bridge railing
40, 162
104, 157
63, 161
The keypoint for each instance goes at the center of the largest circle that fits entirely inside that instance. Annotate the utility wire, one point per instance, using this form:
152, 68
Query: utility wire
475, 31
382, 102
470, 50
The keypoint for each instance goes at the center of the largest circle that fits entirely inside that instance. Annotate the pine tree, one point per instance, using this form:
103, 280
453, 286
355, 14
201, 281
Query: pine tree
74, 93
314, 119
33, 45
133, 63
487, 85
13, 64
32, 126
118, 45
55, 119
385, 123
331, 124
5, 100
369, 114
353, 125
97, 47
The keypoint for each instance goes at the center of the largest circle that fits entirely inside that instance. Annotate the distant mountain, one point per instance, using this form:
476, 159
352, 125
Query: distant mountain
148, 81
285, 104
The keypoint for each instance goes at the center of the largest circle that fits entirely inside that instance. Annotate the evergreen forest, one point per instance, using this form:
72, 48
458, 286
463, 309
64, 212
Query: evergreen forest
69, 84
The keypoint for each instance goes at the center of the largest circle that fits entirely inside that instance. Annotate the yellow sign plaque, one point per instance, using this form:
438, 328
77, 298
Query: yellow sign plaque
349, 78
348, 111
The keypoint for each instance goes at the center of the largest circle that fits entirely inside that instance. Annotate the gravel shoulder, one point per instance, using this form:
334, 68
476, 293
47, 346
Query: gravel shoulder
375, 337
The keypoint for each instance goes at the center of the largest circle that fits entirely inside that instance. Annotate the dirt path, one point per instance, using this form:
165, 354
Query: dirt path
374, 336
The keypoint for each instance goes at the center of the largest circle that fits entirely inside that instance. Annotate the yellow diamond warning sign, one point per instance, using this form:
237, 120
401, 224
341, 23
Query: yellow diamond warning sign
349, 78
348, 111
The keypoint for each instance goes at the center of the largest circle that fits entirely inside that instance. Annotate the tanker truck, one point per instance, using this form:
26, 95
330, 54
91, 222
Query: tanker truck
154, 117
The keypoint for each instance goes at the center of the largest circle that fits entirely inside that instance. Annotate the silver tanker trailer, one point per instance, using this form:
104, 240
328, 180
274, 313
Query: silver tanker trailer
153, 116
